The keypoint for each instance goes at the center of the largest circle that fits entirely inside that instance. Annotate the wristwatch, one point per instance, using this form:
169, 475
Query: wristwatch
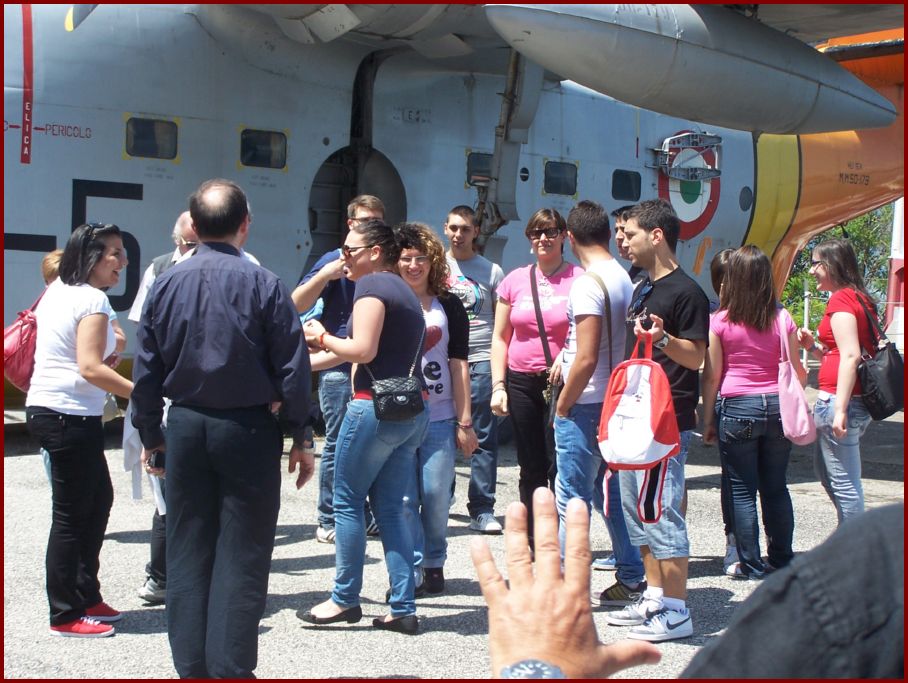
532, 668
663, 342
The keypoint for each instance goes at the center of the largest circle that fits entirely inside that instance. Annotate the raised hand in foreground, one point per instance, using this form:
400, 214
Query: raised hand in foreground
548, 616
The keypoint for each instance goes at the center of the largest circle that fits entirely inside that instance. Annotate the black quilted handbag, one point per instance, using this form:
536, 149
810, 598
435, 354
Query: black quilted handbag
882, 375
396, 399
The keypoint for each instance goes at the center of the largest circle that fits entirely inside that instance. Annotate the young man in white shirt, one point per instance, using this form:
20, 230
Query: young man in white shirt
595, 345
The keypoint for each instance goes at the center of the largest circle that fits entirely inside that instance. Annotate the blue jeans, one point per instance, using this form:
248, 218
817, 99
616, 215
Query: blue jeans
578, 462
666, 538
628, 563
837, 462
375, 458
484, 463
333, 395
755, 454
434, 475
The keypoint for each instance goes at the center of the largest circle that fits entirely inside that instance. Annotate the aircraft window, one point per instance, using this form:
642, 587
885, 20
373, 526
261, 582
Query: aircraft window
153, 138
479, 168
560, 178
626, 186
263, 148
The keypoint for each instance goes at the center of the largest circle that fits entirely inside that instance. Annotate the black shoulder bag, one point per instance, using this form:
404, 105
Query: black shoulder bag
398, 398
882, 374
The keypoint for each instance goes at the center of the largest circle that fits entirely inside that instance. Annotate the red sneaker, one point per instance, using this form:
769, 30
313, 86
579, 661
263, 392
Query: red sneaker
84, 627
104, 613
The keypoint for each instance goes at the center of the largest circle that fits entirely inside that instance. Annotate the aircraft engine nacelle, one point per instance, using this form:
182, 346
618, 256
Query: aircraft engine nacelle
701, 62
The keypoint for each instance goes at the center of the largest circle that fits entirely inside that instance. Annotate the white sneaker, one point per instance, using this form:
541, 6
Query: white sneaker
666, 624
152, 592
323, 535
486, 524
731, 555
636, 613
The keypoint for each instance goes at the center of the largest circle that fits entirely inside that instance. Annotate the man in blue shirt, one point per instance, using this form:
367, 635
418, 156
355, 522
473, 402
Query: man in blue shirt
220, 338
326, 281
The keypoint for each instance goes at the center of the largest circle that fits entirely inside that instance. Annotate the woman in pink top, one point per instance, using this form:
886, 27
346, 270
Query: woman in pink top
839, 412
744, 348
520, 370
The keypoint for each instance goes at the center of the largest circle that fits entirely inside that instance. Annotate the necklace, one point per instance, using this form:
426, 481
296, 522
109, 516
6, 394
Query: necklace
557, 268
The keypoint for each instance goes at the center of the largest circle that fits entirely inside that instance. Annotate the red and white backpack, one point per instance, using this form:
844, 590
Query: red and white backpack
638, 429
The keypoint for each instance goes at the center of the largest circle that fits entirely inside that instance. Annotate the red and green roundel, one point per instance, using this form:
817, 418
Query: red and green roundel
695, 201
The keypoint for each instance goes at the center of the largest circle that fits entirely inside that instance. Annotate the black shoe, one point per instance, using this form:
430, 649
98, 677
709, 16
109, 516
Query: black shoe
420, 592
350, 615
434, 580
408, 624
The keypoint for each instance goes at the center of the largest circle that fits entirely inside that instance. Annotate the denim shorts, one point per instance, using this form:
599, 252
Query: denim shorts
666, 538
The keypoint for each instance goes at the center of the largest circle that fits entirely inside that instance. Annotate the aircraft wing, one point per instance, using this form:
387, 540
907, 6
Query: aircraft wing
818, 23
434, 31
748, 67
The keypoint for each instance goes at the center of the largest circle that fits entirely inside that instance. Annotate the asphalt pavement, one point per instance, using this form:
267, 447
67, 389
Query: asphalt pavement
453, 640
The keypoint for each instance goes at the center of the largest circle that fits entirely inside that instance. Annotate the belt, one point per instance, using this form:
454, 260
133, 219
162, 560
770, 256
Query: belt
366, 395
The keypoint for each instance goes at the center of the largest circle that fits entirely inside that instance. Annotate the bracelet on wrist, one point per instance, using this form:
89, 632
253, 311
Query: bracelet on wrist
465, 425
495, 384
499, 389
321, 341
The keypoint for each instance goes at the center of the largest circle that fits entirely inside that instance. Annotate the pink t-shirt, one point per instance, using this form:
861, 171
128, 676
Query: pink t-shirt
750, 358
525, 352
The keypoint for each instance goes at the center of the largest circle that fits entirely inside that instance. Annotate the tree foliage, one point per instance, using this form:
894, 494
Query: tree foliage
871, 237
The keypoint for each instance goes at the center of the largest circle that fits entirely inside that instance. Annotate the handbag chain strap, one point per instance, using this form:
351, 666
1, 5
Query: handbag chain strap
543, 337
422, 338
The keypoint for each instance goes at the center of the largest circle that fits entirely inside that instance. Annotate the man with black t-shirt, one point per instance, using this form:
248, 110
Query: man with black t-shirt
671, 307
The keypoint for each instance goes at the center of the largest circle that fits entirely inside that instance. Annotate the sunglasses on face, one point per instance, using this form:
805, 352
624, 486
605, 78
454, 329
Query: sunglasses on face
549, 233
347, 252
814, 264
364, 219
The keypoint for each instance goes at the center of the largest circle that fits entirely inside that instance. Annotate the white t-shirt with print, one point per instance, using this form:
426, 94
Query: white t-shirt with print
586, 298
475, 282
435, 367
56, 381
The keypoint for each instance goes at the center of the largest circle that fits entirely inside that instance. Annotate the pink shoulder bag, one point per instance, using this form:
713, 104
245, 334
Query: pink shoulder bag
797, 421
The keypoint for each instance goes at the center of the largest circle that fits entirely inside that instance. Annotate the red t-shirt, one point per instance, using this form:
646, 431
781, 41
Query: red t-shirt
842, 301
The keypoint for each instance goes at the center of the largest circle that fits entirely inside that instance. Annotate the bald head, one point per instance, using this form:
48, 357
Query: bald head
218, 209
184, 235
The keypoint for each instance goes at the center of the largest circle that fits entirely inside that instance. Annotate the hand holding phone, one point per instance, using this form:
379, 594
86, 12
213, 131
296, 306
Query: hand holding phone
156, 460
